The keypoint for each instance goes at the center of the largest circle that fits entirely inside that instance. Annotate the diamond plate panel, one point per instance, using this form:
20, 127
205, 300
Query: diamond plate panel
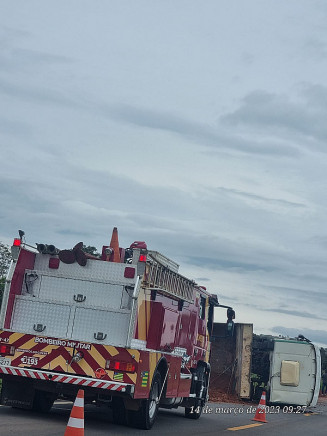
30, 313
94, 270
90, 322
83, 292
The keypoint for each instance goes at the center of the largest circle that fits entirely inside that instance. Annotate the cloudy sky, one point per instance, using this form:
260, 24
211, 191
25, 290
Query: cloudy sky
197, 126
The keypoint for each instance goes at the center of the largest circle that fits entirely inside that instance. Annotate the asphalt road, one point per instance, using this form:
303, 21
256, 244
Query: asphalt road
223, 419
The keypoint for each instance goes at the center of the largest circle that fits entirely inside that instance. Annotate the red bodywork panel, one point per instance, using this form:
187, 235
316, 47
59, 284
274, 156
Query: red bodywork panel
25, 261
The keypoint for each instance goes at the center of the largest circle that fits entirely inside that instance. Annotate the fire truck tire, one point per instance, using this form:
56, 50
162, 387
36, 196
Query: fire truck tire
119, 415
144, 418
193, 412
43, 401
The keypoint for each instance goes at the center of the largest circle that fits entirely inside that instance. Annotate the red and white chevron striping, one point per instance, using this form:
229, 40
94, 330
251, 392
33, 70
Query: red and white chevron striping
60, 378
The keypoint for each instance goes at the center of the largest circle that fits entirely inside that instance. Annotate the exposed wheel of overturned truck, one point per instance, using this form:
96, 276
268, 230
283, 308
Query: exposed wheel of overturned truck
144, 417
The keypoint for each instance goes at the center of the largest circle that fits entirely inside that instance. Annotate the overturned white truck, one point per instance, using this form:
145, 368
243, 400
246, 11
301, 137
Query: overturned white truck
290, 369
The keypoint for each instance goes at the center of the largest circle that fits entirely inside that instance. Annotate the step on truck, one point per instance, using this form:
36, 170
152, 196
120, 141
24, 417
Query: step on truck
125, 327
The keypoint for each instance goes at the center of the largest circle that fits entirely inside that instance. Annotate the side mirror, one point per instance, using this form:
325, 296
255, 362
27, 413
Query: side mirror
229, 328
230, 322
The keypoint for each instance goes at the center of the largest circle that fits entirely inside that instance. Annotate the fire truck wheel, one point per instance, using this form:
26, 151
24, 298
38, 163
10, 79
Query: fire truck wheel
144, 418
43, 401
118, 411
193, 412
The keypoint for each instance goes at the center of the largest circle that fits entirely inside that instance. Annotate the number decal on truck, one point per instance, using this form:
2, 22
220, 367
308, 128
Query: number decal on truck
4, 361
29, 360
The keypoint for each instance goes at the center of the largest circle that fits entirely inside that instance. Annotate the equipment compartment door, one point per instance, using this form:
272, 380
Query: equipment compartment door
101, 326
83, 292
168, 332
41, 318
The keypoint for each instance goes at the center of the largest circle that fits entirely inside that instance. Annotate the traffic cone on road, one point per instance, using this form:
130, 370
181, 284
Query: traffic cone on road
260, 414
75, 426
114, 244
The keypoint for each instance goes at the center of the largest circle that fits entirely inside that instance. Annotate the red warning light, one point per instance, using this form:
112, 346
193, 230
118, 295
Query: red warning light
142, 258
17, 242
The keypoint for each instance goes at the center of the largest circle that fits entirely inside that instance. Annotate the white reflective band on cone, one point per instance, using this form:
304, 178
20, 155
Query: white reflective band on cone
76, 423
79, 402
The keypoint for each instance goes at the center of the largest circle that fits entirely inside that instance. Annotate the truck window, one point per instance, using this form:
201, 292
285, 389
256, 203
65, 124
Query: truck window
202, 311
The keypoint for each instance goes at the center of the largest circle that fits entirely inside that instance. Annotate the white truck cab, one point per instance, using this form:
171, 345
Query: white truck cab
288, 368
295, 372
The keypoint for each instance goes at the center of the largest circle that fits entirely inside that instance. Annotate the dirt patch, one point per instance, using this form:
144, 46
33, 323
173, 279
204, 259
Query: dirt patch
219, 395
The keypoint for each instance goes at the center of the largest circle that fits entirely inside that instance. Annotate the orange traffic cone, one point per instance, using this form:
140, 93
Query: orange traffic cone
260, 414
114, 244
75, 426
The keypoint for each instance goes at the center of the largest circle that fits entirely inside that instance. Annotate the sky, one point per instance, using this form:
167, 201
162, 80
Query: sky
199, 127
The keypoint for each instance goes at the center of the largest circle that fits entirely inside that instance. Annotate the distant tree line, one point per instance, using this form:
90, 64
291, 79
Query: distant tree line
5, 258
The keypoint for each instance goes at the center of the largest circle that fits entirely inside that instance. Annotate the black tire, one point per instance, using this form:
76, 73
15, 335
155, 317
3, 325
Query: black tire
43, 401
144, 418
201, 391
119, 415
193, 412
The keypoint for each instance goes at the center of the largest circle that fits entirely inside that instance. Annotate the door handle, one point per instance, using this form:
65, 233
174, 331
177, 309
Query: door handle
79, 298
39, 327
100, 336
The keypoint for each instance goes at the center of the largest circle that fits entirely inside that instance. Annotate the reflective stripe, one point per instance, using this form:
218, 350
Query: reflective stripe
79, 402
81, 381
114, 388
76, 423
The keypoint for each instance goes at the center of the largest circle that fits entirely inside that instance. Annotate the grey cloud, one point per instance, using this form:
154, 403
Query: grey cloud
275, 201
315, 95
202, 279
320, 240
298, 293
301, 314
10, 34
202, 134
224, 264
305, 116
71, 205
15, 128
24, 60
316, 49
71, 232
35, 56
37, 94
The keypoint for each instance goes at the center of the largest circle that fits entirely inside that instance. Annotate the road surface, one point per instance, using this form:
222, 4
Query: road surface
220, 418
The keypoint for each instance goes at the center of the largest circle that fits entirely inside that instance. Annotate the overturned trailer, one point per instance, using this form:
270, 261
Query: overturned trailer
288, 369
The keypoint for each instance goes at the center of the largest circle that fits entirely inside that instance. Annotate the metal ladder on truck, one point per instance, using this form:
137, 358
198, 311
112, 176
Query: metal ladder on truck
161, 275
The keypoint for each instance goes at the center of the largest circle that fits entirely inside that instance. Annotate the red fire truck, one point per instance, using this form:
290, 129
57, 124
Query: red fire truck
126, 327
